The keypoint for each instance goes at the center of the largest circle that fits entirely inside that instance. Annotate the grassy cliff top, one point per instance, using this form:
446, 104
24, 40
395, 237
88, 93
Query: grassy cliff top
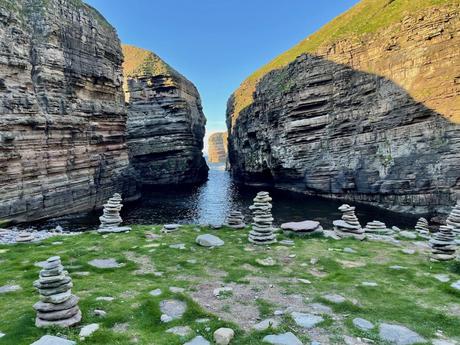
140, 62
366, 17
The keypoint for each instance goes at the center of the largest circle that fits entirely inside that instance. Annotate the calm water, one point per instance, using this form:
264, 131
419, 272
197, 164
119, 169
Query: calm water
211, 202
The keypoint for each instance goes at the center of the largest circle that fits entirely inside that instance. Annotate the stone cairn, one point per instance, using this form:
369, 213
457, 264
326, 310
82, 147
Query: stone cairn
377, 228
349, 225
110, 219
167, 228
235, 220
454, 221
57, 306
443, 245
422, 228
25, 237
262, 230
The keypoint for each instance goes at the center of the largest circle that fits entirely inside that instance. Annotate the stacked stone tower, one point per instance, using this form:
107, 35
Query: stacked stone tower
262, 227
443, 245
110, 219
349, 225
454, 221
57, 306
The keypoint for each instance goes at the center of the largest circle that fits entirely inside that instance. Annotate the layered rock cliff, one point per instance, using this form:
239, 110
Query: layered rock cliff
217, 147
371, 117
62, 114
166, 124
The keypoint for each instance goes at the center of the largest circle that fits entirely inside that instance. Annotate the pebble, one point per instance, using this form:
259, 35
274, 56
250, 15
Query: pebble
172, 309
398, 268
268, 262
2, 334
443, 278
363, 324
334, 298
456, 285
175, 289
349, 250
156, 292
282, 339
208, 240
100, 312
304, 281
105, 263
105, 298
408, 251
223, 336
369, 284
180, 246
9, 288
88, 330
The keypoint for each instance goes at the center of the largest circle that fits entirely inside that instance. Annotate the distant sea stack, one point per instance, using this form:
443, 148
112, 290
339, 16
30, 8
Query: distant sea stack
166, 124
217, 147
366, 109
62, 112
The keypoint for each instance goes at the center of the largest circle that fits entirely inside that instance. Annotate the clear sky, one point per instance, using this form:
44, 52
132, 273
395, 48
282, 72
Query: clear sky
217, 43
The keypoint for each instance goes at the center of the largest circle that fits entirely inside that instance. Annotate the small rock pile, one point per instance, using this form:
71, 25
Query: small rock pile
111, 220
167, 228
24, 237
377, 228
454, 221
57, 306
307, 227
235, 220
422, 228
262, 230
349, 225
443, 245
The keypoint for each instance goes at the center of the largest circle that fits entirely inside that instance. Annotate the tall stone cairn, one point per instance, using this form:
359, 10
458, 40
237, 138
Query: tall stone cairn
422, 228
349, 225
110, 219
454, 221
443, 245
57, 305
262, 227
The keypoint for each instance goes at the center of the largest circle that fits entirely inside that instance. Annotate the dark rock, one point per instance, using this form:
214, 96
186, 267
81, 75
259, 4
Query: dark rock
166, 124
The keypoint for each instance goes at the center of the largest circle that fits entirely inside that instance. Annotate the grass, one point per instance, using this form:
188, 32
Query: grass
367, 17
411, 297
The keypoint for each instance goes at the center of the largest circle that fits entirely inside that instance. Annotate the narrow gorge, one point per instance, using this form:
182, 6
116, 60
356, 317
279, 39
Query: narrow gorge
369, 116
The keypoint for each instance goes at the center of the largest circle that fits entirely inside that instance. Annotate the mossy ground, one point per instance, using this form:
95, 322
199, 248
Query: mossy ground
411, 297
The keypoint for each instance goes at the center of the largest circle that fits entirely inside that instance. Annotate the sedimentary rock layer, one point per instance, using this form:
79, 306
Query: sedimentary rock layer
62, 114
217, 147
324, 125
166, 124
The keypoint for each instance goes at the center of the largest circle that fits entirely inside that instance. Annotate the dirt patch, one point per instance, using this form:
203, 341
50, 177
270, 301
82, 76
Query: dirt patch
144, 262
241, 306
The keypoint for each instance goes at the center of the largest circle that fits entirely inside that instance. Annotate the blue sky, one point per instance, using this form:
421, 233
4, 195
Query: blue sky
217, 43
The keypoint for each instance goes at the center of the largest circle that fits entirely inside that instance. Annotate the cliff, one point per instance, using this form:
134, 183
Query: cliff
366, 115
62, 122
217, 147
166, 124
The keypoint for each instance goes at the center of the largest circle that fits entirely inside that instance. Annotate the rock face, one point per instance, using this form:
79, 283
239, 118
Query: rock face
62, 113
371, 119
165, 121
217, 147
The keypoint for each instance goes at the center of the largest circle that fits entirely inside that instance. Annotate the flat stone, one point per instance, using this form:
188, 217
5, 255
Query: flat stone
334, 298
456, 285
59, 314
443, 342
349, 250
443, 278
50, 307
88, 330
398, 268
181, 331
105, 298
303, 281
363, 324
9, 288
172, 308
307, 225
104, 263
100, 312
408, 251
369, 284
199, 340
208, 240
318, 308
2, 335
282, 339
177, 246
306, 320
266, 324
399, 335
156, 292
223, 336
74, 320
52, 340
